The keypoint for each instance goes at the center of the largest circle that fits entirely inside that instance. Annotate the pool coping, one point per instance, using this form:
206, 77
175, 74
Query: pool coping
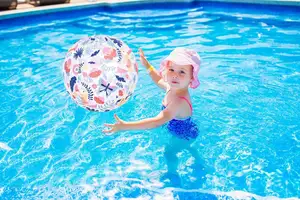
111, 3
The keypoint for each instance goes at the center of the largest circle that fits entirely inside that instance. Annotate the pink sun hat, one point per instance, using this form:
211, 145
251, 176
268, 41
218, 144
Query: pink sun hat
184, 56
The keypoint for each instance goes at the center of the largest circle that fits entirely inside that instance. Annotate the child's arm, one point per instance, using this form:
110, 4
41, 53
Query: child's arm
163, 117
153, 72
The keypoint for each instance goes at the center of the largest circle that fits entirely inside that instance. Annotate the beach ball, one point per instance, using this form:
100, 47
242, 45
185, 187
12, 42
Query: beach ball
100, 73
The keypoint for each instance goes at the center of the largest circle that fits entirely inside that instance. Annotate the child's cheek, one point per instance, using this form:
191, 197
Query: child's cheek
182, 76
170, 73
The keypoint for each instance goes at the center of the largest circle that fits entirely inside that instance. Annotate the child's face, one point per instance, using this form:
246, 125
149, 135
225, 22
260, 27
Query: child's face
179, 76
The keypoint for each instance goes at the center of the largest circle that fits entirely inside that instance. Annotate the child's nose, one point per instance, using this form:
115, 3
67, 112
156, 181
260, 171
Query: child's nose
177, 74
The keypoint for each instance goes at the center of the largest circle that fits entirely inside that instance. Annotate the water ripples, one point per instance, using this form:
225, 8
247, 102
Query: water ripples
246, 109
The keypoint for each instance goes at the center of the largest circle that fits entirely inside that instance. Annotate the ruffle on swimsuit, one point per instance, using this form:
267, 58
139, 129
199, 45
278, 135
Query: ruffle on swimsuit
183, 128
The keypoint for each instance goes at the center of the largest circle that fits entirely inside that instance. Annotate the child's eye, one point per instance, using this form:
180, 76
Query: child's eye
182, 72
171, 70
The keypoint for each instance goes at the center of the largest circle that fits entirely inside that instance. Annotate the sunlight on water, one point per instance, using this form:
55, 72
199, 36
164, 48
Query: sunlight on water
246, 107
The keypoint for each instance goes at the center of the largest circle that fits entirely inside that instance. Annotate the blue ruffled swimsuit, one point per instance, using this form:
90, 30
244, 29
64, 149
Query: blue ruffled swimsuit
183, 128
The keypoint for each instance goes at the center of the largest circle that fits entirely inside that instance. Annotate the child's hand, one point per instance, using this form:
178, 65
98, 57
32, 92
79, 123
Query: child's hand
143, 59
118, 126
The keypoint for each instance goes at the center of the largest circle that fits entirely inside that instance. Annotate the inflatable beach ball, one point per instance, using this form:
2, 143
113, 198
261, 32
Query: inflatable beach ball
100, 73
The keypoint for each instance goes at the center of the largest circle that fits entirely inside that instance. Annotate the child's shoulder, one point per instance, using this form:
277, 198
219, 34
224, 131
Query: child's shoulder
185, 101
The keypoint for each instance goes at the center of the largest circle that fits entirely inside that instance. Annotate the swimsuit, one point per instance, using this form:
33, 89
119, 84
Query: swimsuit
183, 128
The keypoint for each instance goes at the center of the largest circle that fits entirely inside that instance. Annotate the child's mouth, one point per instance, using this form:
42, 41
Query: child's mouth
174, 82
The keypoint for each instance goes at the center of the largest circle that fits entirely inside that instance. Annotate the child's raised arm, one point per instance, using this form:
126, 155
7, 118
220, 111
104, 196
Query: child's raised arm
157, 79
163, 117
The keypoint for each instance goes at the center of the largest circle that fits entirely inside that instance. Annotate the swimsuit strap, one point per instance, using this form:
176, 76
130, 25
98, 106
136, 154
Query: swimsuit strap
183, 99
187, 102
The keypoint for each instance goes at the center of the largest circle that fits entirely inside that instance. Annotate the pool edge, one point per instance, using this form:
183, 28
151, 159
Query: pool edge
76, 6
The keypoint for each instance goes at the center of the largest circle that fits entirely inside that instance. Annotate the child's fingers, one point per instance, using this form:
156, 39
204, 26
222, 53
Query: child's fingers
109, 125
141, 52
108, 131
142, 58
117, 118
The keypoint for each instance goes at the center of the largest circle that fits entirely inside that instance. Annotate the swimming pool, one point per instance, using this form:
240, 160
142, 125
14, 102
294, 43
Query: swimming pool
247, 106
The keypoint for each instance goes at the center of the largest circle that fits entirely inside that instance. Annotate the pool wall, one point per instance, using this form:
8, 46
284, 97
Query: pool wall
108, 4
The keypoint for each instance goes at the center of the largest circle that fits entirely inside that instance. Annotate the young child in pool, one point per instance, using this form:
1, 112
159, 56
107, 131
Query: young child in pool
177, 73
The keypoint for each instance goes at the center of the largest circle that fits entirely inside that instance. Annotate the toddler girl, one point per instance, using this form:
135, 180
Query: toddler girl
177, 73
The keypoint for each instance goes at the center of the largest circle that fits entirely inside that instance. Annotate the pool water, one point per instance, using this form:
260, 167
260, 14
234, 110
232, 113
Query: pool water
247, 106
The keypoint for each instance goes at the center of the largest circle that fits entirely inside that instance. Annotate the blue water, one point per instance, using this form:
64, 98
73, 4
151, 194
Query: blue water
247, 106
